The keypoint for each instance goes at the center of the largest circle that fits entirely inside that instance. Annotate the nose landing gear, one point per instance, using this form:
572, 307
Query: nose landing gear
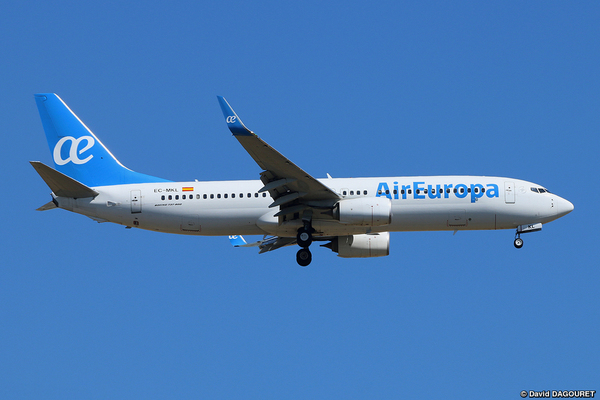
525, 229
518, 242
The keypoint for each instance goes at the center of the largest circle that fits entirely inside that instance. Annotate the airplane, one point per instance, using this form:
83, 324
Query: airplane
288, 206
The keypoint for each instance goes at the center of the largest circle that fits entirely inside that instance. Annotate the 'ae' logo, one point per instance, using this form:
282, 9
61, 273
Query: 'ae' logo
74, 153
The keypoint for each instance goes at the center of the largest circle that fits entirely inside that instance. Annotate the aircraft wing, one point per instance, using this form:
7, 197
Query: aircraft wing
264, 245
290, 186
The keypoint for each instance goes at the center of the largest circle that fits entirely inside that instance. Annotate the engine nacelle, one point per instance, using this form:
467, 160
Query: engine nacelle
364, 211
354, 246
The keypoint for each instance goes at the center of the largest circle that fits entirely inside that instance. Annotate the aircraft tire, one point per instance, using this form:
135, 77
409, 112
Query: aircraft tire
518, 243
303, 257
304, 237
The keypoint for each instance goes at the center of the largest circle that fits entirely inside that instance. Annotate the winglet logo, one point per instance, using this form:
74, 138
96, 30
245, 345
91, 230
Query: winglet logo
231, 119
73, 152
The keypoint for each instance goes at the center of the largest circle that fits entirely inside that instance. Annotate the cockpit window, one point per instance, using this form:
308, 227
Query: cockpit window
540, 190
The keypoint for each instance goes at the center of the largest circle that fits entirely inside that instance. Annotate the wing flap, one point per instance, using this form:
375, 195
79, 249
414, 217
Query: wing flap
276, 243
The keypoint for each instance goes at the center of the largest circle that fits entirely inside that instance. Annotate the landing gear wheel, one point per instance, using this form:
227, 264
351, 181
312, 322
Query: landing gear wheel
304, 237
303, 257
518, 243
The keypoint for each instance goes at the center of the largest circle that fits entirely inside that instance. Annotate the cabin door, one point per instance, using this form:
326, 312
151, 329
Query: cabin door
136, 201
509, 192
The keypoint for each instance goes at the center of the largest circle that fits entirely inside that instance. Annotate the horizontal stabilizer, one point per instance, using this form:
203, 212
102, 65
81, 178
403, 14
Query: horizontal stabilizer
62, 185
48, 206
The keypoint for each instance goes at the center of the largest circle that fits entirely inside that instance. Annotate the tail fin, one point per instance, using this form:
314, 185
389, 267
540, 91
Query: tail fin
77, 152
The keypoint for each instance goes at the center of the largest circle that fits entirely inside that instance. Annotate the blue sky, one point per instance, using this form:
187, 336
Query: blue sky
352, 89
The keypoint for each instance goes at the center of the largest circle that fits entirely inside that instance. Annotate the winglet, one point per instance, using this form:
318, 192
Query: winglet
234, 123
237, 240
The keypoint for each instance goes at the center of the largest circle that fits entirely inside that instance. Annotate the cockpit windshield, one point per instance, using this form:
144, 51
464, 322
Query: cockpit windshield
539, 190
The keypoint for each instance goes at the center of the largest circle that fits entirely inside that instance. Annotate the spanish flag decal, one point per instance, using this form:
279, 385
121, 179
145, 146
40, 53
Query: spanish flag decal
187, 189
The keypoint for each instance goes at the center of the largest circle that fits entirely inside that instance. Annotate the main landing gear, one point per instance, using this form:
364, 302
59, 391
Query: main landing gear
304, 239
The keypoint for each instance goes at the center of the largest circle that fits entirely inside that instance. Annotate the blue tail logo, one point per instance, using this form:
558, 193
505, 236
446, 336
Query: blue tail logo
77, 152
73, 153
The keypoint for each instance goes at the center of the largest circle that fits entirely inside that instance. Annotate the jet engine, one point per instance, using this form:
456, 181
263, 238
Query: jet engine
354, 246
364, 211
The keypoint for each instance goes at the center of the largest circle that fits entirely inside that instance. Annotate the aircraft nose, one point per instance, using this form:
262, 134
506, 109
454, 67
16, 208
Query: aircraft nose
563, 207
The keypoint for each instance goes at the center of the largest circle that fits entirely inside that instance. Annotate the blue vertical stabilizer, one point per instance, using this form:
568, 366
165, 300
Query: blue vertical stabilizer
77, 152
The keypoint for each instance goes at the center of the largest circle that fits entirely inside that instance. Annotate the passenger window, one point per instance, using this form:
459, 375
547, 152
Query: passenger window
469, 190
409, 191
162, 197
365, 192
482, 190
454, 190
249, 195
447, 190
462, 190
352, 193
198, 196
344, 192
204, 196
218, 195
233, 195
176, 197
395, 191
264, 195
402, 191
183, 197
255, 194
418, 191
425, 191
212, 196
170, 197
225, 195
387, 192
241, 195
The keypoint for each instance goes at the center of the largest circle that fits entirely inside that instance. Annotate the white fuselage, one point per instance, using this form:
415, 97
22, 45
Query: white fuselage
237, 208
